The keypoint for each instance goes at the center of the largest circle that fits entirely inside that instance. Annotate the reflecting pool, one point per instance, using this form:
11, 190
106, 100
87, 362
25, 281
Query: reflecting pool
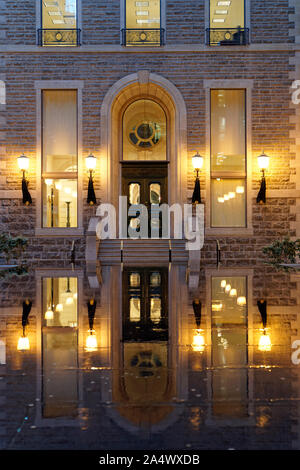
129, 358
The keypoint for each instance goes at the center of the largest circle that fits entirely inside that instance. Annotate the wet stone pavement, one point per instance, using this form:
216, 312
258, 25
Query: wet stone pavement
130, 359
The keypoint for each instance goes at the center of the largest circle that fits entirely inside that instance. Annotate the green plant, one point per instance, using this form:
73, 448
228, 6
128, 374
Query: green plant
11, 246
282, 251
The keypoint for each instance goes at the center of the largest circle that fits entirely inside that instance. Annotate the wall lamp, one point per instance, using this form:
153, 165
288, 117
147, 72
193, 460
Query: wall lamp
90, 162
263, 163
91, 340
23, 163
264, 340
197, 161
198, 344
23, 343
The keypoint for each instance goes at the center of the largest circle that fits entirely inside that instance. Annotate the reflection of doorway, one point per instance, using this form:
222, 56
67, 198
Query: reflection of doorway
145, 183
145, 304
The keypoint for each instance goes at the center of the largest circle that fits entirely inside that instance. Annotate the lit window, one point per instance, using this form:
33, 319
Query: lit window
142, 23
59, 23
227, 23
59, 158
228, 158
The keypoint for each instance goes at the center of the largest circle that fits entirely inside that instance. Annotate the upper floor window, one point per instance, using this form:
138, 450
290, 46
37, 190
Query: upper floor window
142, 23
59, 158
228, 158
59, 23
227, 23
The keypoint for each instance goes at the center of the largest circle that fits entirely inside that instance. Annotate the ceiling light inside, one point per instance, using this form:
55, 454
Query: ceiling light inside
218, 20
221, 12
224, 3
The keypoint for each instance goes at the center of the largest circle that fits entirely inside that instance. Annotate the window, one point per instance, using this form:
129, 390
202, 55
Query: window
60, 347
142, 23
144, 131
59, 158
228, 158
59, 23
227, 23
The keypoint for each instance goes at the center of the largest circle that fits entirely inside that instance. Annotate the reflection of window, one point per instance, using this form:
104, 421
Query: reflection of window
144, 131
228, 158
229, 346
59, 155
60, 298
227, 23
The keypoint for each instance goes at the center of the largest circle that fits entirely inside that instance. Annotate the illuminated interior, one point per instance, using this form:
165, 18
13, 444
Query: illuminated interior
59, 203
60, 297
141, 14
59, 130
227, 13
144, 131
229, 346
228, 158
59, 14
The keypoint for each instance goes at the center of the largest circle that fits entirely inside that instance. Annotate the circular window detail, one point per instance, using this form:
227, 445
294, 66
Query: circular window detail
145, 135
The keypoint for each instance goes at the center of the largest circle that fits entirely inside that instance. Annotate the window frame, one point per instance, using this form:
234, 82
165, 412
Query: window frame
41, 85
246, 84
162, 22
247, 19
39, 21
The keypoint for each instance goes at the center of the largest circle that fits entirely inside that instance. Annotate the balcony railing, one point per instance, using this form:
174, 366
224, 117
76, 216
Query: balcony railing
59, 37
143, 37
227, 36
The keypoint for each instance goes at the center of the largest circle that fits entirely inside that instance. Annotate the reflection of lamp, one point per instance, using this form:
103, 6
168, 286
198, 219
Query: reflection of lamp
197, 161
264, 340
217, 307
23, 163
223, 283
198, 343
49, 313
241, 301
233, 293
263, 163
91, 340
227, 288
90, 162
23, 342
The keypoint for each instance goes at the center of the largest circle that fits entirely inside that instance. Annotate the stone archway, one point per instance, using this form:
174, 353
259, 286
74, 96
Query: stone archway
143, 84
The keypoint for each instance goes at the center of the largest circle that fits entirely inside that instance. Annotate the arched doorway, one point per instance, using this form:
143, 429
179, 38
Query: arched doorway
152, 100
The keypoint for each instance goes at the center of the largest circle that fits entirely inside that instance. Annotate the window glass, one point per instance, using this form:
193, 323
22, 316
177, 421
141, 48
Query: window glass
59, 129
59, 14
228, 203
144, 131
228, 130
59, 203
226, 13
142, 14
60, 301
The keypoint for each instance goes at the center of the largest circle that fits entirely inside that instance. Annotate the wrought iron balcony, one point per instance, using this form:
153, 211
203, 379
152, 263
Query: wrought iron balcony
143, 37
227, 36
59, 37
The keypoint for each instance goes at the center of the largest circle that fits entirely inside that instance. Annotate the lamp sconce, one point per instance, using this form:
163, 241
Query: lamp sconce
198, 344
91, 340
23, 343
197, 161
263, 163
90, 162
264, 340
23, 163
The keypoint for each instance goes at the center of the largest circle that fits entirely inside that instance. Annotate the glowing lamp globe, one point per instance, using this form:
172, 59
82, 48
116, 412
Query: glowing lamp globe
49, 314
90, 162
263, 161
233, 293
197, 161
198, 344
264, 343
223, 283
91, 342
23, 344
23, 162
